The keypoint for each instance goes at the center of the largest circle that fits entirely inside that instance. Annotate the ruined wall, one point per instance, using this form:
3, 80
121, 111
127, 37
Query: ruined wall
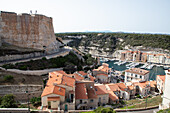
30, 31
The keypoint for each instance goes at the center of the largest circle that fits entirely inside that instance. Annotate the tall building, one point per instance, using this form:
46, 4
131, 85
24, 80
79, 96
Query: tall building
166, 96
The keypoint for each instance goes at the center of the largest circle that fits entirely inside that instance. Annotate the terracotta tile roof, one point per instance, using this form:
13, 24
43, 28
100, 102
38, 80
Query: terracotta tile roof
92, 78
61, 72
82, 73
152, 83
104, 68
121, 86
145, 83
130, 87
80, 91
100, 89
53, 98
162, 77
53, 90
113, 87
69, 81
100, 74
76, 76
112, 96
137, 71
58, 78
91, 93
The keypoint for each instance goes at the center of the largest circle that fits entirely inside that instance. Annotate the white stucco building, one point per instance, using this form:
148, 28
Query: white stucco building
136, 75
166, 96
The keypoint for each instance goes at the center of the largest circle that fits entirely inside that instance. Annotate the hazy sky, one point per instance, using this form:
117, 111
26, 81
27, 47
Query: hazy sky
147, 16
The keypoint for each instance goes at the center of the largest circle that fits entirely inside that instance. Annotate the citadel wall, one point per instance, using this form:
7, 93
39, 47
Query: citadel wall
30, 31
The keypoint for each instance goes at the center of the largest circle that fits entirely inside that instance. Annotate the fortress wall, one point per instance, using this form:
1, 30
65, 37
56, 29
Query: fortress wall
20, 56
30, 31
19, 91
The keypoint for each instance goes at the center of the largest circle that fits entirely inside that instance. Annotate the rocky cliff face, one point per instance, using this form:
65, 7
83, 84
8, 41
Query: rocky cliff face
29, 31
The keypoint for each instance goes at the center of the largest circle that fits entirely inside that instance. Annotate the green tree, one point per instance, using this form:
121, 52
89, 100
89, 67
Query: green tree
8, 101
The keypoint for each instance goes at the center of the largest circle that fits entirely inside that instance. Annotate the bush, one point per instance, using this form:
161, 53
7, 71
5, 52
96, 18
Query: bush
138, 96
8, 78
8, 101
44, 58
35, 101
24, 67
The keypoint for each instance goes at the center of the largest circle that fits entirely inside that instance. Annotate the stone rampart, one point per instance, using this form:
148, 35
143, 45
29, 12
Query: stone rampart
29, 31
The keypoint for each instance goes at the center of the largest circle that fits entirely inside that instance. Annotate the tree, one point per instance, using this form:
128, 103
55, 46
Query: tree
8, 78
8, 101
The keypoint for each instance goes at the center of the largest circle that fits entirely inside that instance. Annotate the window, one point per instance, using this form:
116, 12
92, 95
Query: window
136, 76
140, 76
80, 101
103, 98
91, 100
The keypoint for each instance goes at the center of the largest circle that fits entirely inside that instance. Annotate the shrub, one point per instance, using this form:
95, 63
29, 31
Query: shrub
44, 58
8, 78
8, 101
24, 67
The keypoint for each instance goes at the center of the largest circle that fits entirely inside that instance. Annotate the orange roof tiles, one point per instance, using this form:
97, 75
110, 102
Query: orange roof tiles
53, 98
130, 87
80, 91
121, 86
91, 93
112, 96
100, 74
137, 71
53, 90
113, 87
82, 73
92, 78
162, 77
69, 81
101, 89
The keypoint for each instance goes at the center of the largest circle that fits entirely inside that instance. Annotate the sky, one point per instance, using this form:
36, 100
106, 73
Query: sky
140, 16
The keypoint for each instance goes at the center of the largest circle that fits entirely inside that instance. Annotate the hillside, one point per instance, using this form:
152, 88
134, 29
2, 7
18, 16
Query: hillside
107, 43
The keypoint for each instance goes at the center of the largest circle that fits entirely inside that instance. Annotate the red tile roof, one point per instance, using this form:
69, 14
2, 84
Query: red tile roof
91, 93
102, 74
80, 91
82, 73
100, 89
112, 96
92, 78
113, 87
121, 86
53, 90
137, 71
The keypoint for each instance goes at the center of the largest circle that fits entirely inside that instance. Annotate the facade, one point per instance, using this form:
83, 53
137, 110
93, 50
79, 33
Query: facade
102, 74
166, 96
142, 56
136, 74
160, 80
74, 91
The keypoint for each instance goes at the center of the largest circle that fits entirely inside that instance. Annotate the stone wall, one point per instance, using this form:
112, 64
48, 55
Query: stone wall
30, 31
20, 56
19, 91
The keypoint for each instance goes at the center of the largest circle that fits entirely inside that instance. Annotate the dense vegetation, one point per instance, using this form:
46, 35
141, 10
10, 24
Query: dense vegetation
111, 40
70, 63
8, 101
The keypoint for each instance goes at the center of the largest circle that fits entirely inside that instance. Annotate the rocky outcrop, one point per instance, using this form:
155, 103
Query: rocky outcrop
29, 31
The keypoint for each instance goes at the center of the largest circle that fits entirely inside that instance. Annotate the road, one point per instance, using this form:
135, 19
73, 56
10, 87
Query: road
144, 111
